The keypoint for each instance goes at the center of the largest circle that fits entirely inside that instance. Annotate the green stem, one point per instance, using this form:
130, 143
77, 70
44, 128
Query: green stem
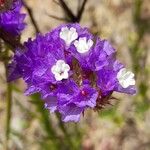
8, 106
8, 114
62, 127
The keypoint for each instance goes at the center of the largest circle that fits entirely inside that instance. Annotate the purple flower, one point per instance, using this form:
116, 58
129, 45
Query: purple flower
71, 105
78, 41
72, 69
115, 77
11, 21
42, 61
101, 54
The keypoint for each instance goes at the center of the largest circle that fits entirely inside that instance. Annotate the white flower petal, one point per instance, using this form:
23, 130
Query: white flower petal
83, 45
90, 43
125, 78
60, 70
60, 62
68, 35
58, 77
65, 67
132, 82
53, 69
64, 29
76, 43
65, 75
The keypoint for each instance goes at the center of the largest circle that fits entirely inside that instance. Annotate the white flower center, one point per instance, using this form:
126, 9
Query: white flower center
68, 35
125, 78
83, 45
60, 70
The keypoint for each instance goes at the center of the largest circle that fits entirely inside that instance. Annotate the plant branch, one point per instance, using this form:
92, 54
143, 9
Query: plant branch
58, 18
68, 11
81, 10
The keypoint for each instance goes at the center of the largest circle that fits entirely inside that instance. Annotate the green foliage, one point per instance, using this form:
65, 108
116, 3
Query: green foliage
112, 114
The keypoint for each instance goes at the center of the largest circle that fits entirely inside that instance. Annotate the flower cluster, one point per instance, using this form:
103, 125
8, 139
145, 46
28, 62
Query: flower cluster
11, 20
72, 69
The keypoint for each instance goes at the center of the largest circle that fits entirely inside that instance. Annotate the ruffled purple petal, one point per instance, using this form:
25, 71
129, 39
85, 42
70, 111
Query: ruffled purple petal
51, 103
71, 113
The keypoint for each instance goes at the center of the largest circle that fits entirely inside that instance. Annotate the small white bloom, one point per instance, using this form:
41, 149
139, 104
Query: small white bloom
83, 45
125, 78
68, 35
60, 70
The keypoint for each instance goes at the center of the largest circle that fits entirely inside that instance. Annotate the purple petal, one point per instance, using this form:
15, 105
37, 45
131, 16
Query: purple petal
130, 90
51, 103
70, 113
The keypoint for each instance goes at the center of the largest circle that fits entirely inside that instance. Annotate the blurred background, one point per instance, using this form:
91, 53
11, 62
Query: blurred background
124, 125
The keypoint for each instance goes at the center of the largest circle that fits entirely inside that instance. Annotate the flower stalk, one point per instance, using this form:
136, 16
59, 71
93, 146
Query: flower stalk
8, 114
8, 106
